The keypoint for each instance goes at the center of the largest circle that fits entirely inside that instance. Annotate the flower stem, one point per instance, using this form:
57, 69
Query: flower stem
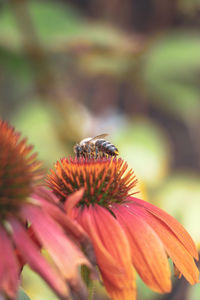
85, 272
91, 290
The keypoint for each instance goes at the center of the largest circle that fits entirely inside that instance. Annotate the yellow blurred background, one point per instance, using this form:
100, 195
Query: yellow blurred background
73, 69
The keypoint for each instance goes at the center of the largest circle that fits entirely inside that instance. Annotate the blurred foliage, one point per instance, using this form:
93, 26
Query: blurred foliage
189, 7
145, 146
59, 27
172, 73
72, 69
35, 126
50, 22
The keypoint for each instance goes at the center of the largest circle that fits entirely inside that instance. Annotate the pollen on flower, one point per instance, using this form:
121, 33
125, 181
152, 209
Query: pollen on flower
105, 180
19, 169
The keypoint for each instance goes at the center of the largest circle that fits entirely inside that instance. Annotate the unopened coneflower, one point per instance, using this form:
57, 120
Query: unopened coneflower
128, 234
24, 203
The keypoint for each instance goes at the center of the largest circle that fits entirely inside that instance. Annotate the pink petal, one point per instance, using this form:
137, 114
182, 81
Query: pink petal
148, 254
64, 253
43, 193
9, 267
36, 261
71, 227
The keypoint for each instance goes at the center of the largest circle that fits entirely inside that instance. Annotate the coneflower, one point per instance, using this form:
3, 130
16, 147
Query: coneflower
24, 203
128, 234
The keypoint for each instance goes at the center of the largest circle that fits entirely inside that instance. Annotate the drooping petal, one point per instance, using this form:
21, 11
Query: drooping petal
64, 252
36, 261
9, 267
72, 200
172, 223
148, 254
175, 249
112, 251
72, 228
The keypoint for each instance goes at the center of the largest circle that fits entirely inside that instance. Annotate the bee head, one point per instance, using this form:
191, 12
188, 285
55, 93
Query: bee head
77, 150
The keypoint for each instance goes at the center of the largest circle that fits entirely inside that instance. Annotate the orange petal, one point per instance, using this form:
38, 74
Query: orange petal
175, 249
148, 253
172, 223
112, 251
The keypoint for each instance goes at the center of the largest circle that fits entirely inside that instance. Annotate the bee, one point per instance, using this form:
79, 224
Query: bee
95, 147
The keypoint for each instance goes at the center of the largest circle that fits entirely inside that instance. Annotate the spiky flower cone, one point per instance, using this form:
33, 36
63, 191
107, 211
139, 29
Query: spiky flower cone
19, 170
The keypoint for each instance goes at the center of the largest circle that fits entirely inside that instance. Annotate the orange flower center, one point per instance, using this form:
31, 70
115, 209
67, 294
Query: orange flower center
18, 169
105, 180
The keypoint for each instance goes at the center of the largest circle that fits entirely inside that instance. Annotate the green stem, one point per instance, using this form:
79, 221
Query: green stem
85, 272
91, 290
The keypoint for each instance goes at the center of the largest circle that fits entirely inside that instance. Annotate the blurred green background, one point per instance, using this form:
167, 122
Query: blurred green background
73, 69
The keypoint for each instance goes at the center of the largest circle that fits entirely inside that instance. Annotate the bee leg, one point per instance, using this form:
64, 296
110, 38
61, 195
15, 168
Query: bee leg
96, 151
89, 151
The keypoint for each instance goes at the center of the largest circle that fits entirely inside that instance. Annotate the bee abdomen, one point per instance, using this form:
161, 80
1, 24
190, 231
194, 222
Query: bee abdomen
102, 144
112, 150
106, 147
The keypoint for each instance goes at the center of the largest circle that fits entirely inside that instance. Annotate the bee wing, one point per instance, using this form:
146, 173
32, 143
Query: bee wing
100, 136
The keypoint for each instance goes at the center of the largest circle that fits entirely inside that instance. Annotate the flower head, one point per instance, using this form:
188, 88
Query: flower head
19, 169
106, 181
23, 202
128, 234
